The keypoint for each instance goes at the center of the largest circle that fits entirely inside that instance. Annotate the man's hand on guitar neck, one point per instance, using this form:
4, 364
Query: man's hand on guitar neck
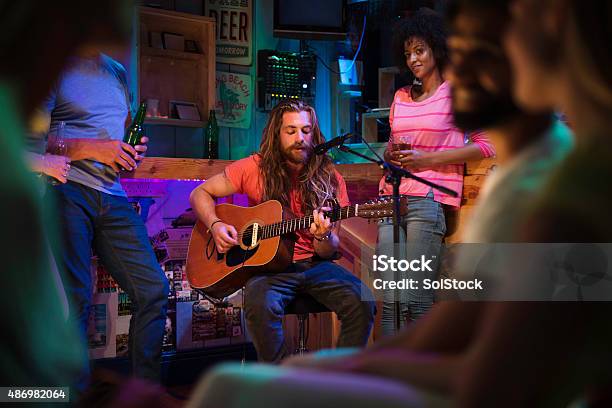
225, 236
326, 242
321, 226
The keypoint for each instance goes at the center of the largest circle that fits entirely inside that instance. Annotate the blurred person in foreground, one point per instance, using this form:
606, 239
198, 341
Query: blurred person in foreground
39, 346
560, 57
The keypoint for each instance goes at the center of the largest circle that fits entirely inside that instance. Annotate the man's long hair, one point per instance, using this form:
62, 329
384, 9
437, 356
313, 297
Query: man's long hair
317, 181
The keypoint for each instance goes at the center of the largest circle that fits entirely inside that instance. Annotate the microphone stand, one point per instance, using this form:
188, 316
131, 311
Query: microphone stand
394, 177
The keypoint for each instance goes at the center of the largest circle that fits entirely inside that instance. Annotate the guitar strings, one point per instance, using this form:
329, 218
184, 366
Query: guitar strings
270, 230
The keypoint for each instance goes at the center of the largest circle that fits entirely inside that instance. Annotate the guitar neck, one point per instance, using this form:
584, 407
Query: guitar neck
296, 224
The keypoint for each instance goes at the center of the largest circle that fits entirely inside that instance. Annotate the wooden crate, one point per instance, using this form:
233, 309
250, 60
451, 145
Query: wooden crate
369, 125
386, 85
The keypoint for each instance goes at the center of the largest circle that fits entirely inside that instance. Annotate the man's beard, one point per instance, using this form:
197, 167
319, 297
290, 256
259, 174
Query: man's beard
493, 113
295, 157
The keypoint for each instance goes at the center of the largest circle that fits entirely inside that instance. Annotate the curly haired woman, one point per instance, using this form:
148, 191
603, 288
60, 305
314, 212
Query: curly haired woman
424, 141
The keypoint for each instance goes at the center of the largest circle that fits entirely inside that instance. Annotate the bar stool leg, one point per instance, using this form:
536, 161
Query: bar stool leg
301, 349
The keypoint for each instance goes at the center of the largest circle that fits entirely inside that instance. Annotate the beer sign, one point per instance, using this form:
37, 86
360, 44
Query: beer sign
234, 30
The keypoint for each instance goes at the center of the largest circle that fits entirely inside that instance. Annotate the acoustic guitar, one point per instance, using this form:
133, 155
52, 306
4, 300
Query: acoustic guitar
266, 238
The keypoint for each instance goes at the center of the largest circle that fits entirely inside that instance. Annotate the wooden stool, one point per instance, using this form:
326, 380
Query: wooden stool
302, 305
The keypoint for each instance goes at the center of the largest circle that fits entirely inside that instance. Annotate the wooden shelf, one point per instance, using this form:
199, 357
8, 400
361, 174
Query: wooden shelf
170, 75
175, 122
172, 54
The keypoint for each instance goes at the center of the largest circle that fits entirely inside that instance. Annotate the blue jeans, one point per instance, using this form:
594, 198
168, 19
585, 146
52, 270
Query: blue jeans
266, 297
108, 224
421, 232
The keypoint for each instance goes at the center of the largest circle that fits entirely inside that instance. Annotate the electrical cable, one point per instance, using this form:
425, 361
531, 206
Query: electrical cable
354, 58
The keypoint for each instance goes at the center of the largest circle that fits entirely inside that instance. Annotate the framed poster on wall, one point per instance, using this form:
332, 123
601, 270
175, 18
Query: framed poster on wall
234, 100
234, 39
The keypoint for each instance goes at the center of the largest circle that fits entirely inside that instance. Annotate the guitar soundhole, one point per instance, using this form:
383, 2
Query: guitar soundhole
237, 256
247, 237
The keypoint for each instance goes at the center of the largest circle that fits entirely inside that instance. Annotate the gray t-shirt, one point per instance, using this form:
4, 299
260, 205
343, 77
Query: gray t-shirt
91, 98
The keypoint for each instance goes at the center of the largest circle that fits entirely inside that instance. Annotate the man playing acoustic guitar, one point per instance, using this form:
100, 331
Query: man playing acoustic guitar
286, 170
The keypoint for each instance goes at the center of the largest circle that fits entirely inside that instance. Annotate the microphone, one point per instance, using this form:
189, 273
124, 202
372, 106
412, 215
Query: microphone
335, 142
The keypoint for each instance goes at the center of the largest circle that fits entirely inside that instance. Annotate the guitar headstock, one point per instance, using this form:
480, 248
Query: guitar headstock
380, 208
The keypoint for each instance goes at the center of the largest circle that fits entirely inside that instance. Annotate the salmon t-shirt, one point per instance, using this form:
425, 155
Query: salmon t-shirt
245, 176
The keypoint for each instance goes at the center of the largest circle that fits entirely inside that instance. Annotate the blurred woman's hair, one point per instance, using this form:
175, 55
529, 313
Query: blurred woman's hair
588, 39
580, 41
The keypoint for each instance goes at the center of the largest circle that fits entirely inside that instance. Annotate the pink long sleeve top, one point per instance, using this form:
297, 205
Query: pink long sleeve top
430, 128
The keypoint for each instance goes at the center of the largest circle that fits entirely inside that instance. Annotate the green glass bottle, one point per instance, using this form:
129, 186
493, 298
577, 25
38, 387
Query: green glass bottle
135, 132
211, 137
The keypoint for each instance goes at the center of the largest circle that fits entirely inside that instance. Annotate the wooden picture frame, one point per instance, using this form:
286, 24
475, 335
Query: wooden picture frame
155, 40
184, 110
173, 41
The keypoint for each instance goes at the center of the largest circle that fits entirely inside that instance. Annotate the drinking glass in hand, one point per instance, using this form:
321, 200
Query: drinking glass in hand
60, 142
60, 148
401, 146
401, 143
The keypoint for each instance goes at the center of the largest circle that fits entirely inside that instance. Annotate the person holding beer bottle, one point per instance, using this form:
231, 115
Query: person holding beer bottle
135, 132
92, 99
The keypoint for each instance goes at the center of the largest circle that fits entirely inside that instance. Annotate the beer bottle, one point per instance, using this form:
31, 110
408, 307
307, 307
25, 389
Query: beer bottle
134, 133
211, 137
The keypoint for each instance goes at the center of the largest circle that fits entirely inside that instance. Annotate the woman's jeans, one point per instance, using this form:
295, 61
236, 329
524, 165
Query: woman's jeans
421, 232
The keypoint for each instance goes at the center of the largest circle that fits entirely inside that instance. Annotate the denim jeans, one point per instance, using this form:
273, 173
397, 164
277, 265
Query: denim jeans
266, 297
422, 230
108, 224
